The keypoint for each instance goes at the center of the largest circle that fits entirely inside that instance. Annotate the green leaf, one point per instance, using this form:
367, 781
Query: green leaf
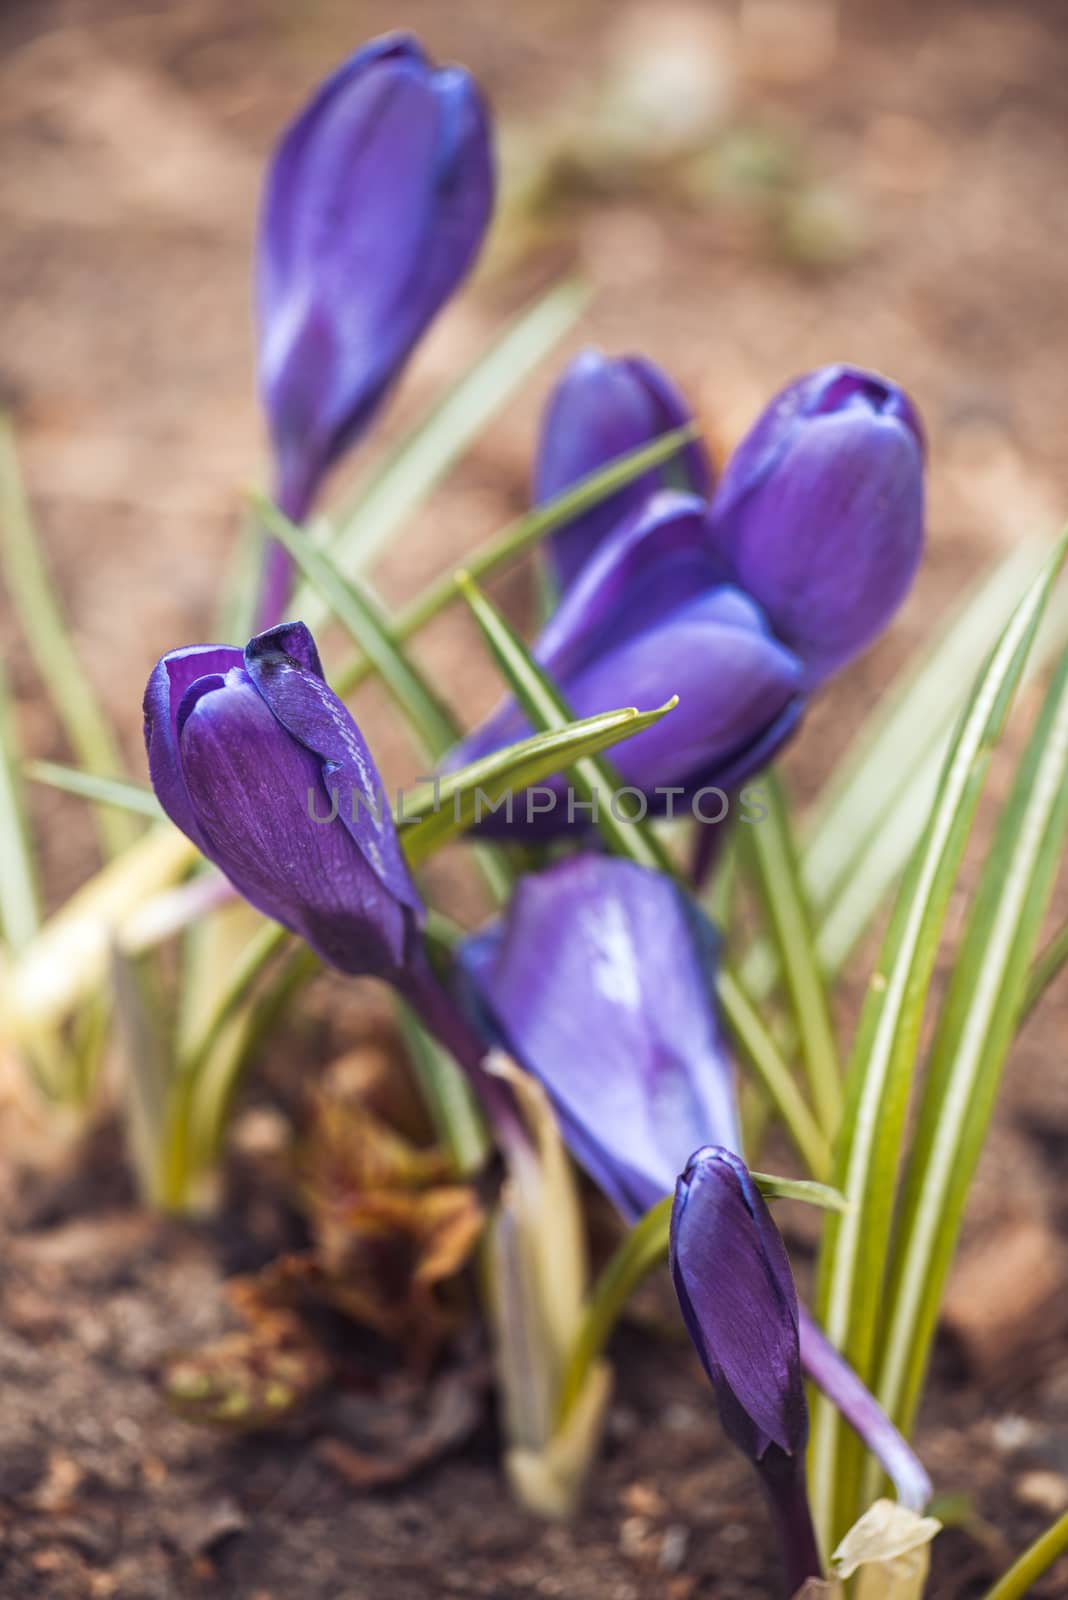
102, 791
772, 1073
48, 638
20, 905
883, 1060
976, 1026
596, 784
820, 1195
367, 624
642, 1249
423, 457
858, 837
447, 1093
910, 725
774, 860
1046, 968
436, 812
522, 535
1036, 1560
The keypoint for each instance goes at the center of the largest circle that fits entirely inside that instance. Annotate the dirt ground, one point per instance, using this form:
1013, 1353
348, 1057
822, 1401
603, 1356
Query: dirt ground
882, 184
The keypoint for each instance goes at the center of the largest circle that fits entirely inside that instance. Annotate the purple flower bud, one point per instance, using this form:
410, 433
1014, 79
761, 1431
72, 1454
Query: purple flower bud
738, 1300
375, 206
602, 408
647, 618
819, 512
599, 982
257, 761
736, 1290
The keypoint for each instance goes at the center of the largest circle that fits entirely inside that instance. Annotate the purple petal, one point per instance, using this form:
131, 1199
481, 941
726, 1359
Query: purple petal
375, 206
283, 663
820, 512
253, 789
600, 409
737, 1294
171, 677
599, 982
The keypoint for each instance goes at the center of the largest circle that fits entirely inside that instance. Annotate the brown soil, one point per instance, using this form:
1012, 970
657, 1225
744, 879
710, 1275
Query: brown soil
887, 190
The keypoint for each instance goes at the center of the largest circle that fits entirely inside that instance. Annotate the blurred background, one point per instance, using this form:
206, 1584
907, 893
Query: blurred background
750, 187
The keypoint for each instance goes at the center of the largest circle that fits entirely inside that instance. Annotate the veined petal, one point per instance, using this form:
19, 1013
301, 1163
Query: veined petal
738, 1299
256, 792
171, 677
599, 982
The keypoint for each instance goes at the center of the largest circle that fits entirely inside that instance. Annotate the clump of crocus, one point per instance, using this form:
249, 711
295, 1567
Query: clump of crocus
650, 616
600, 981
819, 512
259, 763
741, 608
736, 1291
603, 407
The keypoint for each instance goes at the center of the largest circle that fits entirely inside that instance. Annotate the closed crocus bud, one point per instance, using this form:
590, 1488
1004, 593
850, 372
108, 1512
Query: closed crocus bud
375, 206
738, 1300
601, 408
650, 617
599, 981
257, 761
819, 512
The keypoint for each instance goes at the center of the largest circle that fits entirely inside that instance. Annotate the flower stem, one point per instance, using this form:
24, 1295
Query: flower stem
783, 1481
443, 1018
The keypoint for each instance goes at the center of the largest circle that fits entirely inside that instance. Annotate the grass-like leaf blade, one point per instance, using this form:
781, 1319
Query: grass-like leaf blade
882, 1064
49, 640
20, 904
436, 812
776, 869
975, 1028
121, 793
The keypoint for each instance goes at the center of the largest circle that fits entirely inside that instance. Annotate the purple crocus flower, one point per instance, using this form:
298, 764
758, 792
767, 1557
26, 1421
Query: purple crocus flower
737, 1296
600, 981
375, 206
603, 407
374, 209
650, 616
819, 513
257, 761
249, 752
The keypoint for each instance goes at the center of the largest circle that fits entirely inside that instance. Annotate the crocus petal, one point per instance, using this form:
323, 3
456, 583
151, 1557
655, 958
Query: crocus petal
740, 691
171, 678
283, 663
374, 209
820, 512
600, 409
734, 1284
617, 1023
253, 789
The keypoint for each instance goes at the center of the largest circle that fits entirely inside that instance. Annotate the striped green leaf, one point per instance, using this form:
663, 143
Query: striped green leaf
883, 1060
975, 1028
49, 640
